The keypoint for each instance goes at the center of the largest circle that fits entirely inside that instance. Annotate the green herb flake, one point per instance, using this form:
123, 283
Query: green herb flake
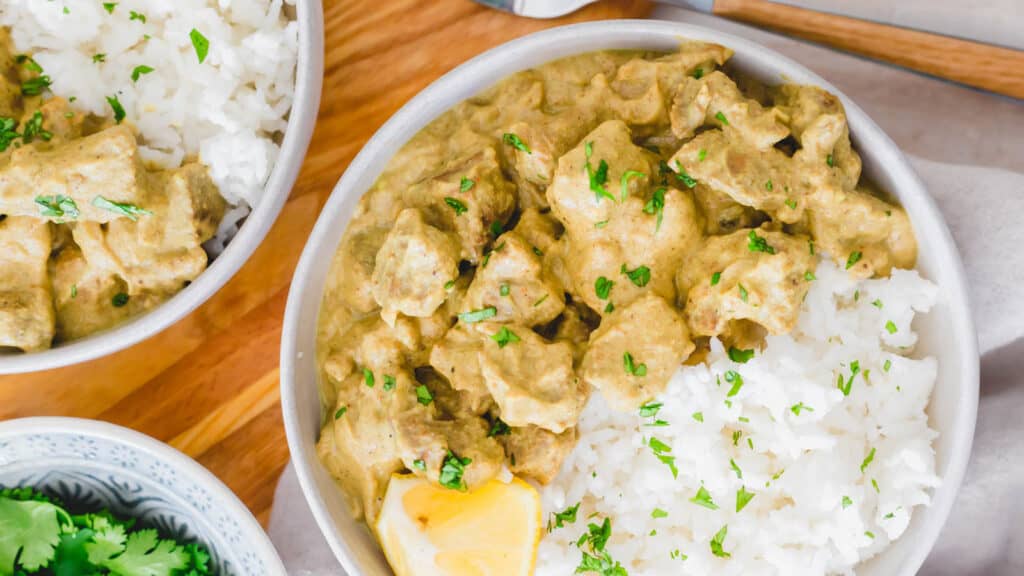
480, 315
423, 395
35, 86
603, 287
99, 58
597, 178
743, 498
119, 300
853, 258
736, 469
200, 43
659, 513
719, 539
744, 295
118, 109
740, 356
540, 300
59, 206
887, 365
703, 498
698, 73
74, 290
368, 378
639, 276
656, 206
130, 211
632, 367
499, 428
340, 412
624, 181
877, 303
504, 337
890, 327
847, 502
449, 285
702, 154
465, 185
683, 177
757, 243
140, 71
452, 470
874, 484
419, 464
650, 409
389, 383
567, 516
800, 407
867, 460
809, 276
504, 289
721, 118
733, 377
133, 15
698, 416
515, 142
791, 203
109, 7
716, 278
830, 161
457, 205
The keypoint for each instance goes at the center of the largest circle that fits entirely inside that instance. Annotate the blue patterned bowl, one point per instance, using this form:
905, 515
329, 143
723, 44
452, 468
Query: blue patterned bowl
90, 464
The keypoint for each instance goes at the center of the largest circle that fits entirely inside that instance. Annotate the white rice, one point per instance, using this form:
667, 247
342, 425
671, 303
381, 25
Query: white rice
225, 111
800, 467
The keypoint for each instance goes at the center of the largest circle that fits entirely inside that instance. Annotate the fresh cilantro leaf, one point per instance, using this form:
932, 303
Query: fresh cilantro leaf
139, 71
146, 555
639, 276
200, 43
743, 498
504, 337
703, 498
719, 539
452, 470
740, 356
465, 185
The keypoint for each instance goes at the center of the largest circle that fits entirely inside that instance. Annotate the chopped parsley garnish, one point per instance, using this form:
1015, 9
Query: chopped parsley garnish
419, 464
624, 181
757, 243
736, 468
890, 327
740, 356
683, 177
639, 276
465, 185
887, 365
603, 287
609, 308
769, 186
809, 276
743, 498
537, 251
598, 178
131, 211
743, 292
98, 58
736, 435
452, 470
870, 534
200, 43
449, 285
656, 205
540, 300
499, 428
595, 558
504, 337
733, 377
698, 416
721, 118
457, 205
662, 452
478, 315
719, 539
830, 161
867, 460
368, 378
600, 224
8, 132
58, 206
852, 259
497, 228
567, 516
698, 73
715, 278
74, 290
650, 409
35, 86
659, 513
791, 203
133, 15
140, 71
118, 109
119, 300
423, 395
389, 383
800, 407
632, 367
702, 154
504, 289
109, 7
515, 142
877, 304
845, 387
340, 412
847, 502
874, 484
703, 498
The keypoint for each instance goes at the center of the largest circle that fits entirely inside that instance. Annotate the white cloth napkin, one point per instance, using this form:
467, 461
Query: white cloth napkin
969, 149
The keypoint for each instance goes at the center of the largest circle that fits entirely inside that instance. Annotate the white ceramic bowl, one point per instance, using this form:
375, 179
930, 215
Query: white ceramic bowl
946, 332
94, 465
308, 81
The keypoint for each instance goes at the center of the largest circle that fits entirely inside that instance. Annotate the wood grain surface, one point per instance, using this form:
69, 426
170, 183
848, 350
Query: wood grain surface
209, 384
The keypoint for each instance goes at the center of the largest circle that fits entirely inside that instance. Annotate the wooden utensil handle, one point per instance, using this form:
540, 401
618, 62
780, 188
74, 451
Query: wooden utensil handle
984, 66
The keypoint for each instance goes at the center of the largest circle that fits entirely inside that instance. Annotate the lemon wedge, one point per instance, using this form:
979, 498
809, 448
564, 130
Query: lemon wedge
427, 530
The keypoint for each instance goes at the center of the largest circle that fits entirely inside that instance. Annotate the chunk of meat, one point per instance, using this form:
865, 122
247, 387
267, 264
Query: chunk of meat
467, 197
722, 214
538, 453
26, 307
630, 231
351, 275
531, 380
715, 100
543, 142
817, 120
862, 233
761, 179
413, 266
757, 275
86, 297
513, 280
635, 351
457, 358
539, 229
104, 165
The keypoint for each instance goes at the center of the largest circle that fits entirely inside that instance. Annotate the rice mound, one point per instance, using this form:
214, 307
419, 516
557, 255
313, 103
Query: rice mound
225, 111
816, 508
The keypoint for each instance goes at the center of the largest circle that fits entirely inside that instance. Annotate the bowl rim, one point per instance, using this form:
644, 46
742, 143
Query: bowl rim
924, 208
297, 135
177, 460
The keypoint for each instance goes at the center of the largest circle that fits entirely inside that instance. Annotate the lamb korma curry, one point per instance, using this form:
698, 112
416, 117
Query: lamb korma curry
581, 228
89, 236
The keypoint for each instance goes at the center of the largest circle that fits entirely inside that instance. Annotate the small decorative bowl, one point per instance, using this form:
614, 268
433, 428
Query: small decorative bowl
91, 465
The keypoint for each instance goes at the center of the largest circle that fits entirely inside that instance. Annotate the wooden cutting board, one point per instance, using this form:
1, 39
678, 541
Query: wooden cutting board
209, 384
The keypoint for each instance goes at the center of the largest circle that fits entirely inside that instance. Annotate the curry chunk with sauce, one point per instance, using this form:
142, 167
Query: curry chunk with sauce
578, 229
89, 234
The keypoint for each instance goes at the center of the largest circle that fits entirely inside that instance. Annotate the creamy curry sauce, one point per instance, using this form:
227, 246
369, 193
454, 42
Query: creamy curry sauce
89, 235
583, 227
